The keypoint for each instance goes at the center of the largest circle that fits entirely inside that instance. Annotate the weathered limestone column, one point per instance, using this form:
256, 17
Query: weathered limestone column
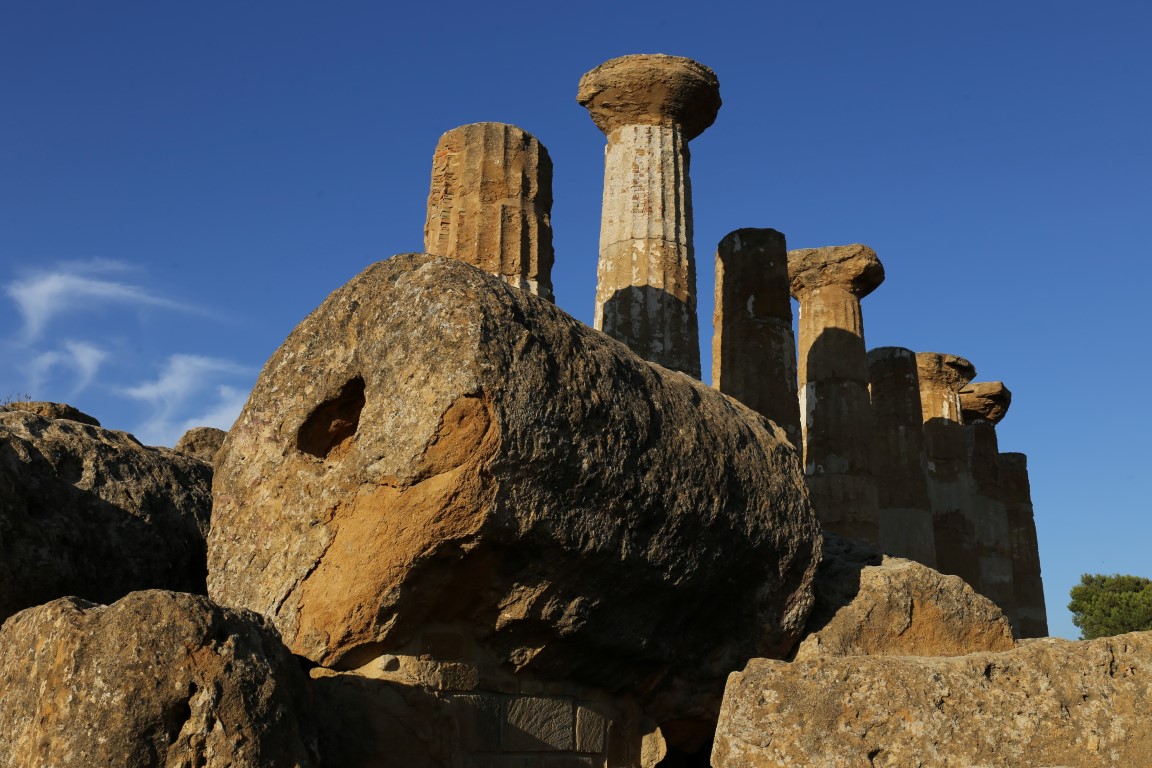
753, 347
982, 406
491, 204
833, 384
941, 379
905, 508
649, 107
1029, 586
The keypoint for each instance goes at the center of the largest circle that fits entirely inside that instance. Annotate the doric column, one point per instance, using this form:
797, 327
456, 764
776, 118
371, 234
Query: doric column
905, 508
833, 384
982, 406
753, 346
649, 107
491, 204
1029, 586
941, 379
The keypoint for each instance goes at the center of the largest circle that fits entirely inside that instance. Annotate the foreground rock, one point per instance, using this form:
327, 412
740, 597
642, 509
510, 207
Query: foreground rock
157, 679
90, 512
868, 605
1046, 703
439, 464
52, 411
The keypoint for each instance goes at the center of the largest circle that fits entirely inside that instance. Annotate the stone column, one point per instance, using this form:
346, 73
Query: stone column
941, 379
491, 204
905, 508
982, 406
753, 347
1029, 586
833, 384
649, 107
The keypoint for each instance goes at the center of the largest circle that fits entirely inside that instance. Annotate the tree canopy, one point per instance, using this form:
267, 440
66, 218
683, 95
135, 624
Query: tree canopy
1111, 605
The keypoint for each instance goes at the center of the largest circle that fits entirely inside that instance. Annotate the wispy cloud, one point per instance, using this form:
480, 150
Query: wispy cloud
189, 385
77, 286
82, 357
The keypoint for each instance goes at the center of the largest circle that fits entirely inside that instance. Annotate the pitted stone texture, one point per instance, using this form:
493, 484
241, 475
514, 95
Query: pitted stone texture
90, 512
898, 456
872, 606
52, 411
1044, 704
201, 443
985, 401
856, 268
753, 346
490, 204
651, 89
431, 445
157, 679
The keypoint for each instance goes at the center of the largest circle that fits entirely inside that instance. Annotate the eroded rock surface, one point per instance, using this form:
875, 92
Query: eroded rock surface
91, 512
433, 448
52, 411
156, 679
1047, 703
868, 605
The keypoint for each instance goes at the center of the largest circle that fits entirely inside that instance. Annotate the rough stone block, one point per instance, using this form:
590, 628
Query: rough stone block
538, 724
1046, 703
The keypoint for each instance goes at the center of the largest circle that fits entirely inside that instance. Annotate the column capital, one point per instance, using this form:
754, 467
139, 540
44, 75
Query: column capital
854, 267
950, 372
651, 89
985, 401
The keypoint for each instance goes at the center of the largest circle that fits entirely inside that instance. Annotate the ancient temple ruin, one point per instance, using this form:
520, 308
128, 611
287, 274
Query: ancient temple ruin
453, 526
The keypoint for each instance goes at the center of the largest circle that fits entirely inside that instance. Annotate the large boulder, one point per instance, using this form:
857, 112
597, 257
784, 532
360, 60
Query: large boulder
873, 605
157, 679
436, 460
91, 512
1046, 703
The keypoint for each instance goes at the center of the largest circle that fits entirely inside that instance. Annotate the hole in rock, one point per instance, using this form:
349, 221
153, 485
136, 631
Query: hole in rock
328, 431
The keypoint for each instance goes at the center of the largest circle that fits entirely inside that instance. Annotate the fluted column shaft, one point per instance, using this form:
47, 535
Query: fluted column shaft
833, 384
905, 508
490, 204
646, 278
649, 106
941, 377
753, 346
983, 405
1032, 615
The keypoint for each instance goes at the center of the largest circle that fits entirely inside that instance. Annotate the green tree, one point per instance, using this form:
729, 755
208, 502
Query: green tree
1111, 605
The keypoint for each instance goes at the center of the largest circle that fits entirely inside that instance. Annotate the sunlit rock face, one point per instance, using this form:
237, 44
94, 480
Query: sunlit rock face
433, 449
155, 679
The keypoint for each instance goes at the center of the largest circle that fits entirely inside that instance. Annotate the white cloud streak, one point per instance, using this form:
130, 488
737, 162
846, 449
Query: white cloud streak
42, 296
82, 357
188, 383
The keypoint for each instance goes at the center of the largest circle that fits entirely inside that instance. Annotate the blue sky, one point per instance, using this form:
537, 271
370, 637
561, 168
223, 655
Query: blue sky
180, 184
